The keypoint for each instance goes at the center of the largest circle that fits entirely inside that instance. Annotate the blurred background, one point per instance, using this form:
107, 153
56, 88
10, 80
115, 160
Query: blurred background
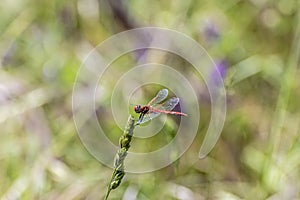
255, 44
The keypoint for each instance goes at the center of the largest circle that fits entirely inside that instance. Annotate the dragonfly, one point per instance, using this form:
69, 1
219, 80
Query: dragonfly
154, 108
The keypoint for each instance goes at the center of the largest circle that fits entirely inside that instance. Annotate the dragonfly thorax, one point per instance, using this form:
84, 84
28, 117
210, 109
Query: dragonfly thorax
141, 109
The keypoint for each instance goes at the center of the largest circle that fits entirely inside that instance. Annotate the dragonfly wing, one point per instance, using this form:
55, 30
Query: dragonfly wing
170, 104
150, 116
161, 95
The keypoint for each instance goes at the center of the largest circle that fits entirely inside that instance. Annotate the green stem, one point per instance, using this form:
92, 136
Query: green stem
124, 143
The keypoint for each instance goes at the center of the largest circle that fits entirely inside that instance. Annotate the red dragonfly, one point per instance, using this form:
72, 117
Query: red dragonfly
153, 108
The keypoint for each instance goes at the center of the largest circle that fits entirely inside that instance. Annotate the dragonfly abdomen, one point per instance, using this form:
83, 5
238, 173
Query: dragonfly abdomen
168, 112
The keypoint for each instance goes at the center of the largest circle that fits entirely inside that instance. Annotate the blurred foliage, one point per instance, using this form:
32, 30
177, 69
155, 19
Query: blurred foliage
42, 44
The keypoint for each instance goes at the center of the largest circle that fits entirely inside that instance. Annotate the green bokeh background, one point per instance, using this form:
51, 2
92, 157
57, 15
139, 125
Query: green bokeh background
42, 45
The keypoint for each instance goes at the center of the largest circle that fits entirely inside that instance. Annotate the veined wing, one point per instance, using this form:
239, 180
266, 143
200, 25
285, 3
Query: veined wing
150, 116
161, 95
168, 105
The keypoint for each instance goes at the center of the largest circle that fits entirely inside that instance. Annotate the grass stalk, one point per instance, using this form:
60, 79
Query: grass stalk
124, 143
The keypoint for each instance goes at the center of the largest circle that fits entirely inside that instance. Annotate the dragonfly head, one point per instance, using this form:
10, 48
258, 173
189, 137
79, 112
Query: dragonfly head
137, 108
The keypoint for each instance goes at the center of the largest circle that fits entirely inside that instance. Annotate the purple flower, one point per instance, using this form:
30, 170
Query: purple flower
210, 31
141, 55
215, 81
219, 73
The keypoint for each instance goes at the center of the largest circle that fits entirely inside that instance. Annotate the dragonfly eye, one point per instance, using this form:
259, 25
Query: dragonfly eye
137, 108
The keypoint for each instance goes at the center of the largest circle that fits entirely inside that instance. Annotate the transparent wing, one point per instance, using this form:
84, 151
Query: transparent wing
161, 95
168, 105
150, 116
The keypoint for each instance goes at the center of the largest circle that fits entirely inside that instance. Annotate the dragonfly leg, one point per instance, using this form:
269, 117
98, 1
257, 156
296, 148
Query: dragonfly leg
140, 119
